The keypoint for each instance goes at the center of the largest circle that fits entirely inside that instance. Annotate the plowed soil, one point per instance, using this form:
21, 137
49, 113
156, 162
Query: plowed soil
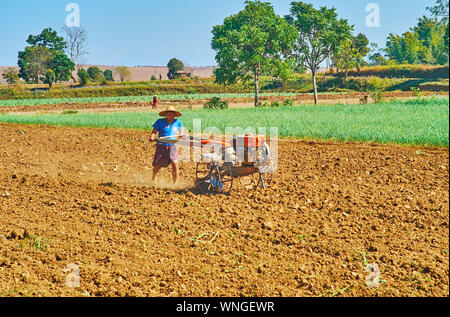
347, 98
331, 209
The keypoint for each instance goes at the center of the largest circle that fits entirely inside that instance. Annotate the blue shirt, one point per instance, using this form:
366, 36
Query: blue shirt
165, 129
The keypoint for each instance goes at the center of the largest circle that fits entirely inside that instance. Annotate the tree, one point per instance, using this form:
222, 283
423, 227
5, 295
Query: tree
33, 63
48, 38
174, 66
11, 75
83, 76
108, 75
440, 9
124, 73
49, 78
320, 32
46, 51
361, 43
95, 73
426, 43
351, 52
346, 56
431, 33
62, 66
252, 43
76, 43
405, 48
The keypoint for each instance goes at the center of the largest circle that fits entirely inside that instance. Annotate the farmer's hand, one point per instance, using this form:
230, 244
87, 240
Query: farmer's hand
152, 137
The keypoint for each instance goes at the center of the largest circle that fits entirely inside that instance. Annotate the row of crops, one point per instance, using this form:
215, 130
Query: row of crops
37, 102
417, 122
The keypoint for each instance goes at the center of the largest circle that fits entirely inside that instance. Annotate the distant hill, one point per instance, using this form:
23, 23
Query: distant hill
139, 73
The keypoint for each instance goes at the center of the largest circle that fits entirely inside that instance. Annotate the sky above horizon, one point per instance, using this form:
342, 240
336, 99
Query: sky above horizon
150, 32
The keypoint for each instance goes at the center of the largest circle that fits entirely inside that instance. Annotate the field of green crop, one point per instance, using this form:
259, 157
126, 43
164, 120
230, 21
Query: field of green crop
53, 101
415, 122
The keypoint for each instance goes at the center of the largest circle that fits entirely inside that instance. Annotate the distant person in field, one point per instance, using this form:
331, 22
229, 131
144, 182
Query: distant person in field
155, 102
166, 153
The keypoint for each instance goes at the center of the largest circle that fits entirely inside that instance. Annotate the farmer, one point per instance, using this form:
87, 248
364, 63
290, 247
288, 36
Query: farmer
166, 153
155, 102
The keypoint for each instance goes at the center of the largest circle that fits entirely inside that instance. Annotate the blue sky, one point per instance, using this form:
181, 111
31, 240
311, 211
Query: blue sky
150, 32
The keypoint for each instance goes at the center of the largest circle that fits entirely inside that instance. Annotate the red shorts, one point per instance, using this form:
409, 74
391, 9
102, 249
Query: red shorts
165, 155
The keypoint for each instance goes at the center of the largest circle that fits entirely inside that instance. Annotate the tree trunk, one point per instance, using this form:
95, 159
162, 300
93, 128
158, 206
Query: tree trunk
315, 87
256, 88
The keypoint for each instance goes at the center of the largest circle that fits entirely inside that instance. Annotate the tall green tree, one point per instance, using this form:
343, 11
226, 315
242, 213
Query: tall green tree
33, 63
346, 56
62, 66
351, 52
405, 48
361, 44
49, 39
45, 51
425, 43
254, 42
431, 32
319, 33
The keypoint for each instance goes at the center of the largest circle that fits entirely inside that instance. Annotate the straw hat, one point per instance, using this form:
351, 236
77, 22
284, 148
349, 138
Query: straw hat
170, 109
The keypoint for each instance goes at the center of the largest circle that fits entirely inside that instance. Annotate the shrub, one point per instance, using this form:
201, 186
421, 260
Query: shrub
83, 76
95, 73
262, 104
288, 102
275, 104
215, 103
153, 78
378, 97
416, 91
108, 74
11, 75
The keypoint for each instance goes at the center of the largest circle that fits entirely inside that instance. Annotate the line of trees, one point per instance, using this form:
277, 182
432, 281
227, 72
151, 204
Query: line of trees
425, 43
256, 41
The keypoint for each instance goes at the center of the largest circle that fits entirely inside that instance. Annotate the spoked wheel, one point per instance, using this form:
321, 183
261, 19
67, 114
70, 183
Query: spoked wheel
202, 177
213, 178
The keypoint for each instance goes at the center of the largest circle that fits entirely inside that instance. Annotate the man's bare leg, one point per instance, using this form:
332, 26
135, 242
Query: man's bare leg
174, 172
156, 169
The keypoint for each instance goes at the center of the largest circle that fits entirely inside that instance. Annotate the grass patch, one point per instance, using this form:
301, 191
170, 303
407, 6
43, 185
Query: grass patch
422, 121
69, 112
36, 242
